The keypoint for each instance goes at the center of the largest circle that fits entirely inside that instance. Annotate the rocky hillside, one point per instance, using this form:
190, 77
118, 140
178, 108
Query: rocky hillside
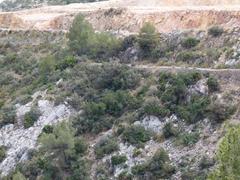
108, 108
121, 93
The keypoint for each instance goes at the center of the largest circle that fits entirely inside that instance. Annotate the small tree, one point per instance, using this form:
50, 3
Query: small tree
148, 38
81, 35
228, 157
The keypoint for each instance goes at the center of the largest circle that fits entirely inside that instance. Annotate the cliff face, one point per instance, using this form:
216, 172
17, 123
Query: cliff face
167, 15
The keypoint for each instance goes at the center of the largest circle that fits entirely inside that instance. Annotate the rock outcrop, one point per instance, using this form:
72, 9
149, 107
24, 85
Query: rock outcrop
19, 141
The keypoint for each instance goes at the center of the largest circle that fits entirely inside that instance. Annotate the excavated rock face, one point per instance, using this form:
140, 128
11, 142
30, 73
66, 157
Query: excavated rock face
167, 15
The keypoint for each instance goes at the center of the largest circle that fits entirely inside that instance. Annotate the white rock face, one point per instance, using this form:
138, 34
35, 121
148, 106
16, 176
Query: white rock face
152, 123
199, 88
19, 140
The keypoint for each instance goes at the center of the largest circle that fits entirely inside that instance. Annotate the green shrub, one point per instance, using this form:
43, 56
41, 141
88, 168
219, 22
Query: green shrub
46, 68
169, 130
188, 139
117, 102
68, 61
7, 115
157, 168
215, 31
80, 146
154, 107
48, 129
118, 159
190, 42
2, 153
139, 169
195, 110
213, 84
105, 146
84, 41
136, 135
18, 176
188, 56
114, 77
228, 153
219, 112
31, 117
148, 39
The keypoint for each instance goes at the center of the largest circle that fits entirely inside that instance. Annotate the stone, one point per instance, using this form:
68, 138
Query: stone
20, 141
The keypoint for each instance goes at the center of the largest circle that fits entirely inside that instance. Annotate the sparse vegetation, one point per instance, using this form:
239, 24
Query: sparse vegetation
2, 153
190, 42
158, 167
213, 84
136, 135
215, 31
105, 146
118, 159
31, 117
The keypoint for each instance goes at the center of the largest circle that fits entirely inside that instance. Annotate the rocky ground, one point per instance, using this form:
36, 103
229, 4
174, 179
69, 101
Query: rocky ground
118, 16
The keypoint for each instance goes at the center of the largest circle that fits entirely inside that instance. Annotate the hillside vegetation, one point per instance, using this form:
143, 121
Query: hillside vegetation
125, 123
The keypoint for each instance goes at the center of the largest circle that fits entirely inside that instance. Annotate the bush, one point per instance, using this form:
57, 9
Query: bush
157, 168
188, 139
136, 135
160, 166
18, 176
148, 39
228, 153
213, 84
31, 117
7, 115
48, 129
46, 68
190, 42
105, 146
195, 110
188, 56
154, 107
84, 41
120, 159
169, 130
2, 153
117, 102
215, 31
80, 146
68, 61
218, 112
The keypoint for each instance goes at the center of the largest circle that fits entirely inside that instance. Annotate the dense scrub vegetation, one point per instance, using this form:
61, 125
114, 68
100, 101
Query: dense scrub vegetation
108, 97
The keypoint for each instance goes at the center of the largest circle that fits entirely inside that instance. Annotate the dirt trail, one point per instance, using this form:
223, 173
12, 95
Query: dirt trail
167, 15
